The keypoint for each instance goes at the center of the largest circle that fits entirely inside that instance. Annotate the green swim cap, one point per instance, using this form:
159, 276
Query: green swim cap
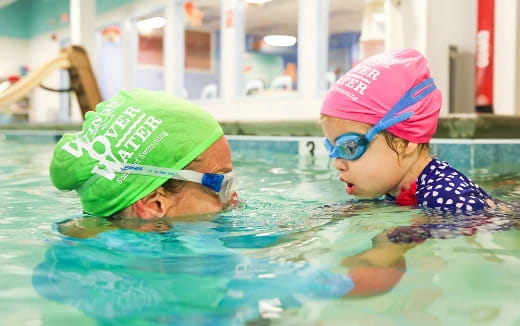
137, 127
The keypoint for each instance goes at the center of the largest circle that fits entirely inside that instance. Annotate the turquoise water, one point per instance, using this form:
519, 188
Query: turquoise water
285, 243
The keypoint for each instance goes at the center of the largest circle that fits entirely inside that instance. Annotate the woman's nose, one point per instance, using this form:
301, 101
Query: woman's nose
234, 200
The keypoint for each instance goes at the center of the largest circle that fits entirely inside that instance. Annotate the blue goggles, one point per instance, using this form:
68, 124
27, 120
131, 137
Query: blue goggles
351, 145
225, 185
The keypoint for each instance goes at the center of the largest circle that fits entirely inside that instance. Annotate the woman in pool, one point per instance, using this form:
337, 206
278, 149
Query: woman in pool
135, 154
378, 120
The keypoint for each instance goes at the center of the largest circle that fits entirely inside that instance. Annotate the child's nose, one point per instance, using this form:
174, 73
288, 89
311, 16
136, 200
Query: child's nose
340, 164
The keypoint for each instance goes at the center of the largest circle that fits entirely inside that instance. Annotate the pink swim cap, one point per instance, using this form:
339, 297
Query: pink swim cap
370, 89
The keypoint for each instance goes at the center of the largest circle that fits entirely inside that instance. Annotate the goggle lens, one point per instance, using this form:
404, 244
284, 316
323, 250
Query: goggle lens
228, 188
349, 146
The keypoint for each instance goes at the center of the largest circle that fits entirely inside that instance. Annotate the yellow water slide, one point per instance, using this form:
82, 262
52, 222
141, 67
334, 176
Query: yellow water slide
82, 80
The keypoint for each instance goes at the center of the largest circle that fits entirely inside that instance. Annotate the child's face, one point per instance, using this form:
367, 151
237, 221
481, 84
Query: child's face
377, 172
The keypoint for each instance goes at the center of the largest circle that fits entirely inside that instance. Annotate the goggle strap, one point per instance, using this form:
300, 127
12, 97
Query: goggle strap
382, 125
156, 171
214, 181
188, 175
414, 95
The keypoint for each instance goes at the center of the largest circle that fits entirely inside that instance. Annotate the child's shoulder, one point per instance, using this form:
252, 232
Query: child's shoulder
443, 187
440, 172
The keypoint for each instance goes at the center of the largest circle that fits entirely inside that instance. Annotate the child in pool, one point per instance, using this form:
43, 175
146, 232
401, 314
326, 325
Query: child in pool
378, 120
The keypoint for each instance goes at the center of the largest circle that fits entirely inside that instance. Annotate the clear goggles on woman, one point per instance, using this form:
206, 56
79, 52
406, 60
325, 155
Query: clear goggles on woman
224, 185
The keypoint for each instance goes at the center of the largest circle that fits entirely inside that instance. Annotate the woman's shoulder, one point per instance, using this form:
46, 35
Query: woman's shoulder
84, 227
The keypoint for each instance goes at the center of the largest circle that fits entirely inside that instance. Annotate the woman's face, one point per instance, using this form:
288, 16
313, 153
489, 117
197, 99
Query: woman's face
196, 199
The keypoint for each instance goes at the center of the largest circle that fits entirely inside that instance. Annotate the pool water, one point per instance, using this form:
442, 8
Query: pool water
276, 260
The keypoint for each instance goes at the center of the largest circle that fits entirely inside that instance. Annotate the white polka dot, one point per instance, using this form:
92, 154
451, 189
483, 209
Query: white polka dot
471, 201
454, 173
429, 188
430, 181
435, 194
469, 208
440, 200
449, 202
426, 194
462, 198
448, 188
459, 205
452, 184
432, 167
438, 186
425, 203
457, 192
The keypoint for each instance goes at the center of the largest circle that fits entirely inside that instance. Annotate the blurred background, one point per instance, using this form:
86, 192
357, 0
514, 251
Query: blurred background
255, 60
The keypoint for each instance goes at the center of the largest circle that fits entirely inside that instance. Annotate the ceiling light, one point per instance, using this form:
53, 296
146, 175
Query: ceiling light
280, 40
258, 2
151, 23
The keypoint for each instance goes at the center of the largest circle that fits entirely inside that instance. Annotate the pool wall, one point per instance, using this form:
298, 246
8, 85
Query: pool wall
466, 141
461, 153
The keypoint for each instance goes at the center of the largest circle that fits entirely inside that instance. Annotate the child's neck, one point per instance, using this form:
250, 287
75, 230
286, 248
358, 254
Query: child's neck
413, 173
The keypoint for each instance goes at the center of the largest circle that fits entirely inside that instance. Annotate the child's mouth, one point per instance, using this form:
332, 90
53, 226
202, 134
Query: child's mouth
350, 188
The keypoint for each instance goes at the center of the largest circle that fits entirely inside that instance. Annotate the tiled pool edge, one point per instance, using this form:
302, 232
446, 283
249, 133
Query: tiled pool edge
461, 153
476, 153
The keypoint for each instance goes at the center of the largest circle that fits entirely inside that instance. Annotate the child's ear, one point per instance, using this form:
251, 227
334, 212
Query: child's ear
405, 147
409, 147
154, 205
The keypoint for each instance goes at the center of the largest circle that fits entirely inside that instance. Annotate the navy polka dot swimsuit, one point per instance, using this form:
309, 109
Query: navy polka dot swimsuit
442, 188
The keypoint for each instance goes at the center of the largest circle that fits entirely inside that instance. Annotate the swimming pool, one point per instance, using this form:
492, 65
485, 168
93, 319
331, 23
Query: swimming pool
295, 228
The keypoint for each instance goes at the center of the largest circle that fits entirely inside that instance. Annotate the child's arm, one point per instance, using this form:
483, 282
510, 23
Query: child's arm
378, 269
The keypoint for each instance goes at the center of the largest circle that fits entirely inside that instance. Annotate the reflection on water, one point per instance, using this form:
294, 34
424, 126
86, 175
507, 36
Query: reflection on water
278, 257
187, 275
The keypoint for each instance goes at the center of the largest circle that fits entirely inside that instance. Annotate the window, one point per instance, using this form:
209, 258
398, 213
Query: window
345, 20
150, 52
202, 50
271, 51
